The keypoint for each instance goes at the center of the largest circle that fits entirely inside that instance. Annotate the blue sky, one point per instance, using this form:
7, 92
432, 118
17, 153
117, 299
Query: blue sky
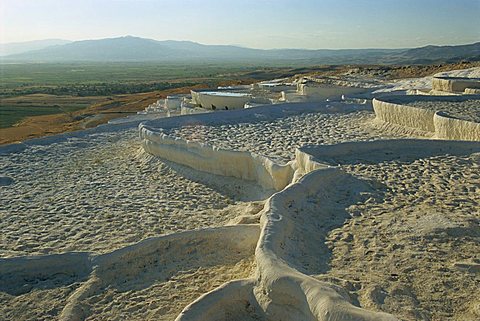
310, 24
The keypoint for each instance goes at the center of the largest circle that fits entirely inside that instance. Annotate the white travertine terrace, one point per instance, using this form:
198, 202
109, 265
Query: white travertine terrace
472, 91
210, 307
425, 84
221, 100
398, 110
279, 290
284, 242
278, 138
153, 258
219, 161
173, 102
325, 91
282, 288
454, 84
286, 253
223, 160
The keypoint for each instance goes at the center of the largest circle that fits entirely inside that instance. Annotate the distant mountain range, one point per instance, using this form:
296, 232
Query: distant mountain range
135, 49
21, 47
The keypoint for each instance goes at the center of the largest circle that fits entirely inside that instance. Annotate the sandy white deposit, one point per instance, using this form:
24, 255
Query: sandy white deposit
307, 211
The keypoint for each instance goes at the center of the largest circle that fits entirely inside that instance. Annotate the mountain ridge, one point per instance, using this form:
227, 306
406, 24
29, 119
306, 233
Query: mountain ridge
130, 48
20, 47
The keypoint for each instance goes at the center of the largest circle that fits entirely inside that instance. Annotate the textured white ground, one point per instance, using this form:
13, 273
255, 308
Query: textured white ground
413, 248
35, 305
100, 193
278, 139
103, 192
164, 299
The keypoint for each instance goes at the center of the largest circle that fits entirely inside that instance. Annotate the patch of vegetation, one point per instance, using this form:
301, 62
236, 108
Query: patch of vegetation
94, 89
10, 115
83, 80
61, 73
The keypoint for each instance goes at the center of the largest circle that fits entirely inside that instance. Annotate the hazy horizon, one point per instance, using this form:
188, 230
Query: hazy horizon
122, 36
263, 24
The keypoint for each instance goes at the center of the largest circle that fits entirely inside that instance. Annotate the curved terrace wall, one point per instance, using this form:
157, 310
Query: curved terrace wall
454, 84
391, 109
388, 150
282, 288
472, 91
150, 257
207, 158
404, 115
219, 100
280, 291
324, 91
451, 128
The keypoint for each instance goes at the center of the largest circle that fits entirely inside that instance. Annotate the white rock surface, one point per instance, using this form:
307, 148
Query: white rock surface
101, 192
331, 244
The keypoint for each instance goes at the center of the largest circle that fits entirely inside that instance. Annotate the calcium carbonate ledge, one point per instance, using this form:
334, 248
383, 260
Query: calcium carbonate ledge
390, 110
283, 288
239, 164
454, 84
472, 91
20, 275
280, 291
